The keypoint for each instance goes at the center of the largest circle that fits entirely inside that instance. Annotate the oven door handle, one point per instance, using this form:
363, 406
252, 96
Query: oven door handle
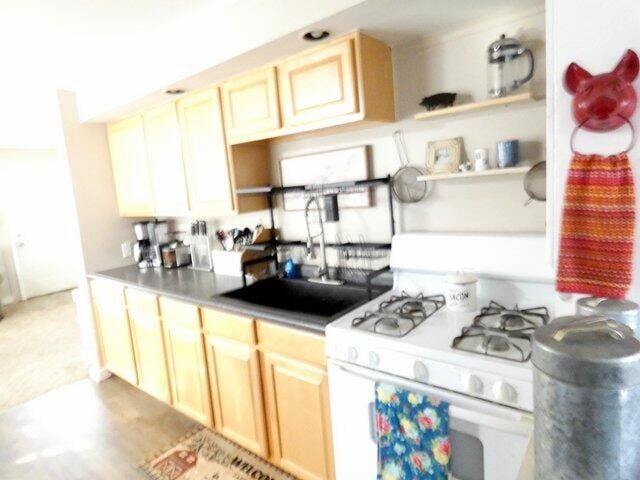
510, 422
522, 426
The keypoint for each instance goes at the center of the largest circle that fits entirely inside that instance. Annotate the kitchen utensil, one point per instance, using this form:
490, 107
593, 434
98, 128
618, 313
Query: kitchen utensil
535, 183
507, 153
622, 311
586, 391
481, 159
504, 73
405, 184
461, 291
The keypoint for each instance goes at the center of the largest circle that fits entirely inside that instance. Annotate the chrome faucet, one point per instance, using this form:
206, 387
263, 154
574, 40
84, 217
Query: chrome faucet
323, 271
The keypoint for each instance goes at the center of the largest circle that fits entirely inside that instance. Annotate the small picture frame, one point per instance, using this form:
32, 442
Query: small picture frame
443, 156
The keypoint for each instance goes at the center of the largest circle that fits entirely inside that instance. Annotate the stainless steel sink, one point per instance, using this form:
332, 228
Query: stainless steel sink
299, 297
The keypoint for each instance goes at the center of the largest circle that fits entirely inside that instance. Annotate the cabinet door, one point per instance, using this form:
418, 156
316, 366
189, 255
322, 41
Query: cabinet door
130, 168
251, 104
205, 153
297, 401
162, 135
115, 331
319, 85
186, 360
148, 345
238, 408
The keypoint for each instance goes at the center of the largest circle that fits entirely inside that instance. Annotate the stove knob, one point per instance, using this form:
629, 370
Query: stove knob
420, 371
503, 392
352, 354
374, 359
472, 384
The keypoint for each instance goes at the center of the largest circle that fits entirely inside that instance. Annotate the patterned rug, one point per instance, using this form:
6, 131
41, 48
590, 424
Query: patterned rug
205, 455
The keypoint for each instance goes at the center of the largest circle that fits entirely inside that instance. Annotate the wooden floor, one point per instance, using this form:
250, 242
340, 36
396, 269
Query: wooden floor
86, 431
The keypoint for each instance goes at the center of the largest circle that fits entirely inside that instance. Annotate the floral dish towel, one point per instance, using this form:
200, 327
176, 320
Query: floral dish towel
413, 435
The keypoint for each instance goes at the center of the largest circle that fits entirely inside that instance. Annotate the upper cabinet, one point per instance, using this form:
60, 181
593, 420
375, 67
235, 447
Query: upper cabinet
251, 104
319, 85
130, 168
346, 81
162, 138
205, 153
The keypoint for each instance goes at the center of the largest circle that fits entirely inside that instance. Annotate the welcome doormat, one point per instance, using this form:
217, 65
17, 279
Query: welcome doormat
205, 455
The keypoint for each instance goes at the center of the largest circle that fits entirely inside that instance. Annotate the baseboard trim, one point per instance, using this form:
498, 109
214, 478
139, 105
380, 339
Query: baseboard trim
8, 300
98, 374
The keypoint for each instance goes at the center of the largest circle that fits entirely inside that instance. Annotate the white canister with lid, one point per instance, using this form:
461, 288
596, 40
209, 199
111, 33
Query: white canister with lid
461, 291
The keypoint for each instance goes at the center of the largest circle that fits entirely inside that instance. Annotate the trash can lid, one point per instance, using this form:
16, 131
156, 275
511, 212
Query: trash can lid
592, 351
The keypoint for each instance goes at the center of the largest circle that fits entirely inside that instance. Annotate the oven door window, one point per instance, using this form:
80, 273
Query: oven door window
470, 464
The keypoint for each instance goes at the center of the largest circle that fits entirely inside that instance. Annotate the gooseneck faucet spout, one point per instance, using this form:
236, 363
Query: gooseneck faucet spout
323, 276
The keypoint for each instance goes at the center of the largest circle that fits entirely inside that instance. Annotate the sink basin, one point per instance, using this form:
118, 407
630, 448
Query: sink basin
299, 297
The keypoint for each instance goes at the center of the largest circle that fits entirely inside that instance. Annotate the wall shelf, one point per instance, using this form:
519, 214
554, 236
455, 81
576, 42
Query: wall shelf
520, 98
493, 172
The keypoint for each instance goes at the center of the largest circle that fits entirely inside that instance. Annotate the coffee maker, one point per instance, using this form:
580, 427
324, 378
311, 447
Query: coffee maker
151, 237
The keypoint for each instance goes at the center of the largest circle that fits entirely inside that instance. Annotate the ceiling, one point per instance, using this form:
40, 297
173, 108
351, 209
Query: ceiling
115, 51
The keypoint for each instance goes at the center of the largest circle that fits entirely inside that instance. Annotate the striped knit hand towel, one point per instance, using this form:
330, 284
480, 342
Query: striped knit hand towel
596, 244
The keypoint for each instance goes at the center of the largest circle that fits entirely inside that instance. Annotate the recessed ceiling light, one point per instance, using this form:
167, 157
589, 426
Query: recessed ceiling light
174, 91
315, 35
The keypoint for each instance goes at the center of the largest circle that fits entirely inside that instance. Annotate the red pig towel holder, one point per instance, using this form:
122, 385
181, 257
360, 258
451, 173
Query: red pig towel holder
598, 218
603, 102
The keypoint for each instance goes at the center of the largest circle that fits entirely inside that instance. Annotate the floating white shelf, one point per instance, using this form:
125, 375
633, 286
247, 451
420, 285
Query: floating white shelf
520, 98
493, 172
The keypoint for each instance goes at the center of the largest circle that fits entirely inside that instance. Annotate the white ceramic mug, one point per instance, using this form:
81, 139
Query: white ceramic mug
481, 158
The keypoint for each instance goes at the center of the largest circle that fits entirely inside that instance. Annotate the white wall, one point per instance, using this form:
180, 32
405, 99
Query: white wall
99, 229
595, 34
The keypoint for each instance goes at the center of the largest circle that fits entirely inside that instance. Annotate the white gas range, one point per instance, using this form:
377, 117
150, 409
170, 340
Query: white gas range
487, 379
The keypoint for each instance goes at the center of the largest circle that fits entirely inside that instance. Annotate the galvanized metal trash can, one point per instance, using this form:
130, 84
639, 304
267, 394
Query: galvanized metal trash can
586, 400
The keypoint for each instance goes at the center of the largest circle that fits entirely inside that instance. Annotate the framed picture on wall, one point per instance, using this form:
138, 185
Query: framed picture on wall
327, 167
443, 156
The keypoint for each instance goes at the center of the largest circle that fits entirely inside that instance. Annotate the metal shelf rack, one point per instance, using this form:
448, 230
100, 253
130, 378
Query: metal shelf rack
337, 188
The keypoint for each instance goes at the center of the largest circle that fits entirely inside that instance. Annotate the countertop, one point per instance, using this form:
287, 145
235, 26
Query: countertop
202, 288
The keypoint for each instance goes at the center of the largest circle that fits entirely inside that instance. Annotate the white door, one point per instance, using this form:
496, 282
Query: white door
36, 206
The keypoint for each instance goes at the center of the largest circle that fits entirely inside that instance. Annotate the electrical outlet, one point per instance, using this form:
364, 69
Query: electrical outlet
127, 249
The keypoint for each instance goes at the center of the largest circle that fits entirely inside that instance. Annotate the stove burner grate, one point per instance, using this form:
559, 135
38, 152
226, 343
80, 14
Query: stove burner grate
400, 314
501, 332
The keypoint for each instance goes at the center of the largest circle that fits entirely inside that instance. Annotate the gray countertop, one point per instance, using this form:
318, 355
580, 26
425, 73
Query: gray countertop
202, 288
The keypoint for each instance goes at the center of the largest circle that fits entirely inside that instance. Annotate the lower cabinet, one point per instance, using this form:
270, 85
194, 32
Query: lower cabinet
297, 402
234, 372
186, 362
148, 344
262, 385
114, 329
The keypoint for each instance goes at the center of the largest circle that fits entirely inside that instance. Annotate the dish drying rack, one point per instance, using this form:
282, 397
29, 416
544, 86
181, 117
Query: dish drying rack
348, 249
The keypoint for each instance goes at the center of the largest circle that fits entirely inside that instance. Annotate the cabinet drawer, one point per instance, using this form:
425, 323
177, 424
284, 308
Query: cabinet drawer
304, 346
142, 303
228, 325
107, 294
180, 313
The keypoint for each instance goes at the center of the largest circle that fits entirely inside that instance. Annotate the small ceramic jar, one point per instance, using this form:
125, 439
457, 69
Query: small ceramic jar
461, 291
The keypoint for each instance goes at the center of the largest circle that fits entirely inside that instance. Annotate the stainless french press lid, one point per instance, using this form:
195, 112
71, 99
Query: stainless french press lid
504, 48
592, 351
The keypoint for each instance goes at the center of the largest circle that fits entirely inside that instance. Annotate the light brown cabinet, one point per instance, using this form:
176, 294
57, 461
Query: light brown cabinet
130, 167
148, 344
319, 85
234, 376
297, 401
250, 104
186, 361
114, 329
162, 141
205, 153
